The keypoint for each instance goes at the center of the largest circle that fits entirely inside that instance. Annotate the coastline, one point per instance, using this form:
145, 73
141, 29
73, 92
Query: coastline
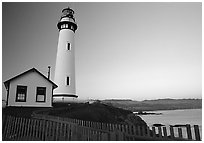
173, 117
167, 109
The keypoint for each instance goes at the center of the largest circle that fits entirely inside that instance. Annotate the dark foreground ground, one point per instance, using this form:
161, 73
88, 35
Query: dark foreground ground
96, 112
25, 128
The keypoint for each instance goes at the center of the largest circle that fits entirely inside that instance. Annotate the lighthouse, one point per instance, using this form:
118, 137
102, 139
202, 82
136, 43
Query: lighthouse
65, 60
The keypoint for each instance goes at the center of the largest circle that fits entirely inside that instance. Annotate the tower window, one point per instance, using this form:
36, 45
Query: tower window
67, 80
21, 92
40, 94
68, 46
72, 27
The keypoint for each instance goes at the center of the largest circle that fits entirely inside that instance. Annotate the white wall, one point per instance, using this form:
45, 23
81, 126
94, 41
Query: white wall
32, 80
65, 63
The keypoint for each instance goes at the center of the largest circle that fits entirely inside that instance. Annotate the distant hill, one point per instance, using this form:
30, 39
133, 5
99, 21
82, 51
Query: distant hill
158, 104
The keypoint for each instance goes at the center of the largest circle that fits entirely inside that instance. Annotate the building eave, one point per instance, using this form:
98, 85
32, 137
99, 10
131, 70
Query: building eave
6, 83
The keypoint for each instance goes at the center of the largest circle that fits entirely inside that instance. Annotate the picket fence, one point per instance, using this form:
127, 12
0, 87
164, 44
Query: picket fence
51, 128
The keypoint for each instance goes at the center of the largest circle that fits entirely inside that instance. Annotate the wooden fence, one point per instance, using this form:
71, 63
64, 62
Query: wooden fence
51, 128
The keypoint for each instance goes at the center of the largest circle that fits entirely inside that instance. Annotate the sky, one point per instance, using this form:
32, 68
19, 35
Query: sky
133, 50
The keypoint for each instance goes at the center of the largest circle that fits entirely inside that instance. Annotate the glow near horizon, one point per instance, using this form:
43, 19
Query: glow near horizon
123, 50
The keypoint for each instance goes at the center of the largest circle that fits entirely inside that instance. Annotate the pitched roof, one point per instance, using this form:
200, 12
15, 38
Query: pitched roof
6, 83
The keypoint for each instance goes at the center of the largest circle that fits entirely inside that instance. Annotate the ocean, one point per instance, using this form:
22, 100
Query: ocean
173, 117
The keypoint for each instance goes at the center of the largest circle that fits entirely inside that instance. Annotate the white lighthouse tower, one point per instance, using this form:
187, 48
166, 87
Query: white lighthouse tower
65, 60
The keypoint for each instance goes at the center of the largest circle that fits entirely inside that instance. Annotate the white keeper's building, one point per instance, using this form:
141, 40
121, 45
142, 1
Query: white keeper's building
30, 89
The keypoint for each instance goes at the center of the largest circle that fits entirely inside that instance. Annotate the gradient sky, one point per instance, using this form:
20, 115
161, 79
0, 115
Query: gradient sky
123, 50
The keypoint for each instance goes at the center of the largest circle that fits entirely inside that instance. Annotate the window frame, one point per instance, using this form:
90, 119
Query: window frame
40, 94
17, 91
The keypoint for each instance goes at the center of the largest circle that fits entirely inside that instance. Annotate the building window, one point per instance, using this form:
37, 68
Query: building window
21, 93
67, 80
40, 94
68, 46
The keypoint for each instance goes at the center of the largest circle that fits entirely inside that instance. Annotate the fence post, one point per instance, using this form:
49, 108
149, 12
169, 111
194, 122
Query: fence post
79, 132
111, 127
28, 127
4, 119
138, 130
197, 133
46, 130
25, 124
40, 129
34, 131
69, 132
64, 131
119, 127
160, 132
122, 128
114, 127
112, 136
180, 133
127, 129
98, 135
57, 131
74, 132
171, 132
143, 130
100, 125
90, 124
120, 135
53, 133
131, 129
135, 130
94, 125
148, 131
188, 127
60, 131
165, 132
104, 137
19, 128
94, 136
106, 126
6, 127
12, 127
153, 132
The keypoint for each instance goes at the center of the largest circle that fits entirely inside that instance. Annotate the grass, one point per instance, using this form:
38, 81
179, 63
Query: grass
96, 112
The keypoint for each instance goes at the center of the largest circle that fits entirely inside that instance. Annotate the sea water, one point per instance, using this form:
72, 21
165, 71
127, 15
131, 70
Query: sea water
174, 117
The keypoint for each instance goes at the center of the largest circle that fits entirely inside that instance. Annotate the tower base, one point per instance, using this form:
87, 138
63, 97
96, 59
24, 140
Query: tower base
64, 98
65, 95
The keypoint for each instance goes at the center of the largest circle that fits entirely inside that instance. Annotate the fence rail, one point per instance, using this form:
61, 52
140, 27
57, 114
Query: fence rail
51, 128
